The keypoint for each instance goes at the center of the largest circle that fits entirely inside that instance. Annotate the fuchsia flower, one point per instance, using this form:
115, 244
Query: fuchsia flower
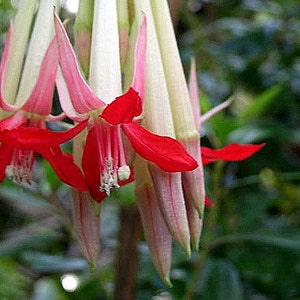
231, 152
24, 133
103, 160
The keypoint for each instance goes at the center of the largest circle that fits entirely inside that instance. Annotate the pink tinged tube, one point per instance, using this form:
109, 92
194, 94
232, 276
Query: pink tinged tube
87, 226
193, 182
170, 194
158, 119
194, 193
156, 233
182, 111
195, 224
85, 221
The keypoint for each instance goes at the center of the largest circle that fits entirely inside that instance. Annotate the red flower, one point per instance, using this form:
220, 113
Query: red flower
24, 133
103, 160
18, 148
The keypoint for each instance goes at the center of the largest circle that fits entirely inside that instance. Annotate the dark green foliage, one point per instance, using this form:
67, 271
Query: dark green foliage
250, 247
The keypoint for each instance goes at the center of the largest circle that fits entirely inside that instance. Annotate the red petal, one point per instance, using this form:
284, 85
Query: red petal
208, 202
34, 138
165, 152
124, 108
207, 160
5, 154
232, 152
65, 168
91, 166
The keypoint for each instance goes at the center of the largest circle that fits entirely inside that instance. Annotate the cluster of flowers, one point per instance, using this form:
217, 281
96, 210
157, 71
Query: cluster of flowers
149, 134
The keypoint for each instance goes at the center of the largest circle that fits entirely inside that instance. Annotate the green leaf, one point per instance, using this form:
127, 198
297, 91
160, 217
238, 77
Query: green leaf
291, 243
249, 134
54, 263
223, 126
261, 103
36, 234
13, 284
205, 103
220, 281
23, 199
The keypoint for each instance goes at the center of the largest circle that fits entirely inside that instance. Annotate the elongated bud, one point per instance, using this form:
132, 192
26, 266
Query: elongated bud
86, 222
195, 225
185, 129
171, 202
87, 226
158, 119
156, 233
193, 181
83, 33
176, 83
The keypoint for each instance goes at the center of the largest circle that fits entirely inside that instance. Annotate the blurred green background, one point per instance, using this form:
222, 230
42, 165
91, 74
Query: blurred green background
250, 248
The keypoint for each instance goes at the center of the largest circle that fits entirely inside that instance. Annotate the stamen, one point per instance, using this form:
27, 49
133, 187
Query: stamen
123, 170
109, 180
20, 168
123, 173
112, 162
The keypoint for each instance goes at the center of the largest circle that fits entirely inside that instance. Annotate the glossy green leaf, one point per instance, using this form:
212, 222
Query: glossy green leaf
261, 103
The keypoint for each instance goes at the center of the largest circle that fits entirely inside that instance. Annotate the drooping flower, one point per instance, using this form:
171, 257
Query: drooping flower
19, 146
103, 160
231, 152
158, 118
24, 133
185, 129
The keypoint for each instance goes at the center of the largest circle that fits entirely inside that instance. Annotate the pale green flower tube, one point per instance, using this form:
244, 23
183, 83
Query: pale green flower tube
21, 30
158, 119
105, 69
185, 129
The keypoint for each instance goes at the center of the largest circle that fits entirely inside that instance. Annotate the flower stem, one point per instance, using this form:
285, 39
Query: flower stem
127, 259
